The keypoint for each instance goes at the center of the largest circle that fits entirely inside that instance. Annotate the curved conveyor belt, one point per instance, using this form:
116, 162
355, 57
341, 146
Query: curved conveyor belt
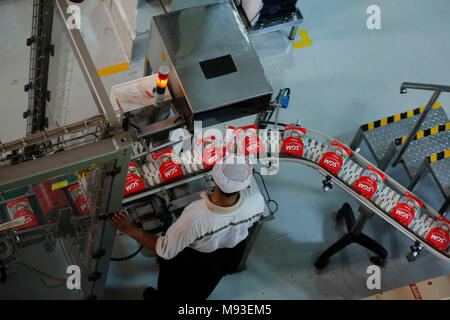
383, 201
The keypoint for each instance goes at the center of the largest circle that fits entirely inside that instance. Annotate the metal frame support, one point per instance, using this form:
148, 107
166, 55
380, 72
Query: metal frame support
357, 139
115, 152
87, 66
403, 89
424, 169
40, 51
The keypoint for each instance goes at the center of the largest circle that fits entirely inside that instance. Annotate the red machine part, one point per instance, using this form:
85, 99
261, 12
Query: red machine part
50, 201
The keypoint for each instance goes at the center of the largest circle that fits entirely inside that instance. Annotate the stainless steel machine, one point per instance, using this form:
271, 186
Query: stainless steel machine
61, 182
215, 76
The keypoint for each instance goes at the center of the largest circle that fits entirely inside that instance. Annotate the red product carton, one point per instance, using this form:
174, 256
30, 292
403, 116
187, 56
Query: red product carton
247, 137
19, 208
335, 157
369, 182
133, 183
293, 141
169, 168
439, 234
78, 197
407, 209
211, 149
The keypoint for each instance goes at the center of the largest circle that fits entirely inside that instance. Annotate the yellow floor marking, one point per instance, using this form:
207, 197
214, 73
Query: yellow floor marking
437, 105
113, 69
433, 157
306, 41
410, 113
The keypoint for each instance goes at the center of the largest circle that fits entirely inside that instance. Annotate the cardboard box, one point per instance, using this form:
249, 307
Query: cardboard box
433, 289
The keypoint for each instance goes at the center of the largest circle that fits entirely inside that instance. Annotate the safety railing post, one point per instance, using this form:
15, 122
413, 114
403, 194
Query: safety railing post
437, 91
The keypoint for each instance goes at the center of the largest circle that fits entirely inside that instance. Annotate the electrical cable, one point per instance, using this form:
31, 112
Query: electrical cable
42, 275
251, 21
269, 200
164, 8
129, 256
282, 92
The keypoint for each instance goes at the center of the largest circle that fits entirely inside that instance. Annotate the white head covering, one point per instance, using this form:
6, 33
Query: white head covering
233, 173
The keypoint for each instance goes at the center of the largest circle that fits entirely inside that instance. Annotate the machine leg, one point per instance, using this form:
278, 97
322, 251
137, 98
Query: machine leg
384, 162
373, 246
418, 176
253, 233
353, 234
356, 140
293, 32
322, 261
443, 209
416, 249
346, 212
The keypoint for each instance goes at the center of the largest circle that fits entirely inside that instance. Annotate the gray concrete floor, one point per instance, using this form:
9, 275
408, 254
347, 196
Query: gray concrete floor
349, 76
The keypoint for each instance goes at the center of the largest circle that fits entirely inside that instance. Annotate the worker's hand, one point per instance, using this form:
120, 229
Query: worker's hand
123, 223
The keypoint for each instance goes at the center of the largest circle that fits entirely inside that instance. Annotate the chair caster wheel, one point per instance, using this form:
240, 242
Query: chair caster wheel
411, 257
377, 260
320, 264
338, 215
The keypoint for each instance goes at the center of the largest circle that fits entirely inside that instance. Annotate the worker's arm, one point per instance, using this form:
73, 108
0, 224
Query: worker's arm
123, 223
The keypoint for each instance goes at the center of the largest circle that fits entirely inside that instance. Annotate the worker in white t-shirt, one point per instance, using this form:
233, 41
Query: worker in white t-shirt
208, 239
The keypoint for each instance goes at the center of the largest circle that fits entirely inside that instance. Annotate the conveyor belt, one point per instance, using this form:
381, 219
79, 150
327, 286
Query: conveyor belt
382, 203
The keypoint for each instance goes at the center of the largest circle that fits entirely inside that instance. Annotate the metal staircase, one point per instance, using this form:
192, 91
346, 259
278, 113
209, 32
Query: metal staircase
379, 134
418, 138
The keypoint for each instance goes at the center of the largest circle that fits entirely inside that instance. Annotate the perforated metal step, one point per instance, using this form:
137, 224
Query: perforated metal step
381, 133
419, 150
441, 172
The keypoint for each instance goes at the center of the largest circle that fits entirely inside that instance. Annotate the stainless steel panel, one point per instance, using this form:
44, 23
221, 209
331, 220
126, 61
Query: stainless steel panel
187, 37
173, 5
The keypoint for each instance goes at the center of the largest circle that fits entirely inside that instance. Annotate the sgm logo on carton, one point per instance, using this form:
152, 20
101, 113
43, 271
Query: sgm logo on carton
437, 238
331, 163
171, 172
403, 214
293, 148
132, 185
213, 158
365, 187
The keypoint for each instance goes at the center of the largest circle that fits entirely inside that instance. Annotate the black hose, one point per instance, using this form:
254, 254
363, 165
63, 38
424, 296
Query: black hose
42, 275
129, 256
269, 200
164, 8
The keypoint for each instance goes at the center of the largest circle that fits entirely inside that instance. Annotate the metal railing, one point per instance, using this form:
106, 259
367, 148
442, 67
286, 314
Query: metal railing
419, 86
